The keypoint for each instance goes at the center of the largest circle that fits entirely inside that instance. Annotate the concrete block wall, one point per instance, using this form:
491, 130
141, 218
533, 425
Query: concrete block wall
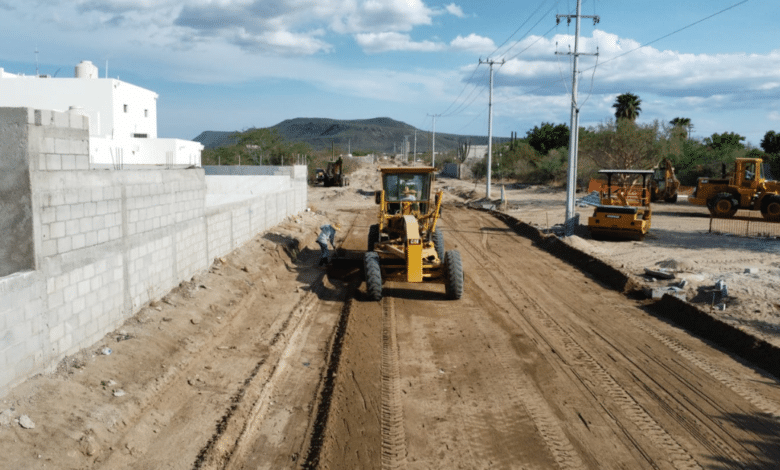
104, 242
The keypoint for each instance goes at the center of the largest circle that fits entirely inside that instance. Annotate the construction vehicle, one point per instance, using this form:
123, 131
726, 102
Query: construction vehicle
319, 175
746, 189
406, 245
623, 212
663, 184
334, 174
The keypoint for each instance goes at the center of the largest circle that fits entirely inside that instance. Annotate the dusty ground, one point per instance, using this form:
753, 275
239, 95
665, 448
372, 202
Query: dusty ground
679, 242
267, 361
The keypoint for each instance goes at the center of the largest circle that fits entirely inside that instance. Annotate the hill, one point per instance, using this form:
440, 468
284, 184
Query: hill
378, 135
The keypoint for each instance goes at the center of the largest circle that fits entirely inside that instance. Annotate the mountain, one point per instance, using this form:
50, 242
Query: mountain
214, 139
379, 135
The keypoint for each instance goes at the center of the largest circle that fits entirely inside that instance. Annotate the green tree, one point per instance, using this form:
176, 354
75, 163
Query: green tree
725, 142
771, 142
771, 145
622, 145
682, 126
262, 146
627, 106
547, 137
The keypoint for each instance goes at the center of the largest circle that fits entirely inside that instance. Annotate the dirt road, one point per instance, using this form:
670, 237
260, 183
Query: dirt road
268, 361
538, 366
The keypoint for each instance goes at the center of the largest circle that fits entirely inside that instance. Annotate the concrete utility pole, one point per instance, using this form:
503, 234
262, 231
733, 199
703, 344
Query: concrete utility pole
433, 141
572, 218
490, 124
415, 145
406, 148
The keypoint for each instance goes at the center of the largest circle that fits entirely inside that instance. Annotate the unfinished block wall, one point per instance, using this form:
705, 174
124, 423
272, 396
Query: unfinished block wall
103, 242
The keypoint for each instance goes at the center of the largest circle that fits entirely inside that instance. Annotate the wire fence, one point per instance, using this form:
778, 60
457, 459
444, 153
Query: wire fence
746, 224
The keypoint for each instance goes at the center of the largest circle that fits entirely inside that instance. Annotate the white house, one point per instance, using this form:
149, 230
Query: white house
122, 116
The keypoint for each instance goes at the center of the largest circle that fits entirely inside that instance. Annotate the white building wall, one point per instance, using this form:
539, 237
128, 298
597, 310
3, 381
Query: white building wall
93, 97
135, 111
120, 115
107, 242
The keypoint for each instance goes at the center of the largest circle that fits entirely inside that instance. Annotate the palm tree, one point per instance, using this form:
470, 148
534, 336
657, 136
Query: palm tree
627, 106
683, 124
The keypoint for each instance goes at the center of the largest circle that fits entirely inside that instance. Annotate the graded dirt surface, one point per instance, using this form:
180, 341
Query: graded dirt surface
268, 361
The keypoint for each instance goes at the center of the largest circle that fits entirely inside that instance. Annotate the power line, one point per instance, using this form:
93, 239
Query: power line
538, 8
675, 32
523, 24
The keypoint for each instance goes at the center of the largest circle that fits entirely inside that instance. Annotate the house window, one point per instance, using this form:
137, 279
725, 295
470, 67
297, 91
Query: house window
146, 113
125, 108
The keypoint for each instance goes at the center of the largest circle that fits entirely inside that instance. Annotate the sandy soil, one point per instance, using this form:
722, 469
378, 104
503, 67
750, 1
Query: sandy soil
267, 361
680, 243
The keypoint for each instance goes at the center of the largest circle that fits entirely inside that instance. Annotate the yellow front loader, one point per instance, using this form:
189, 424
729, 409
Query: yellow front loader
405, 245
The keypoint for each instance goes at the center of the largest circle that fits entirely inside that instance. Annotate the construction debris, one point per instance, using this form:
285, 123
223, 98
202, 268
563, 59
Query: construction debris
660, 273
656, 293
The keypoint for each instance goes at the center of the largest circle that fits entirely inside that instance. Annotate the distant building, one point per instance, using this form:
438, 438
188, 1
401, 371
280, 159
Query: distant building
476, 152
122, 116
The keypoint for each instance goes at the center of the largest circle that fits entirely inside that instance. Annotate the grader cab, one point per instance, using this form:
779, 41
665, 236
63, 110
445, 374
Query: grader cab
406, 245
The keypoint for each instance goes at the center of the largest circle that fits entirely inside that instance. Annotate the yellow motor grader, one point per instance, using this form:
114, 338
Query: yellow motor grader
406, 245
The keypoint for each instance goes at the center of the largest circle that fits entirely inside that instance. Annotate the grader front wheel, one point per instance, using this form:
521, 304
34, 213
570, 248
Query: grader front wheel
373, 275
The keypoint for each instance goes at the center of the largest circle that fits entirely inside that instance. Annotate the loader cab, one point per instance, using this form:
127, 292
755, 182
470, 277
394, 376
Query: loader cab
748, 173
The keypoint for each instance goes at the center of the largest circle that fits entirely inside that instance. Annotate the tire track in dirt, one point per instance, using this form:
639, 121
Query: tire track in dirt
392, 418
531, 399
579, 357
708, 420
248, 405
738, 386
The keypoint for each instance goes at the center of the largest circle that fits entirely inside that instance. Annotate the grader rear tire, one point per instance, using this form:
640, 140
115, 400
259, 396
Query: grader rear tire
453, 269
373, 275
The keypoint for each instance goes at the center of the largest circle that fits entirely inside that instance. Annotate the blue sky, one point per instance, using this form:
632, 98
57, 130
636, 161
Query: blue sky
235, 64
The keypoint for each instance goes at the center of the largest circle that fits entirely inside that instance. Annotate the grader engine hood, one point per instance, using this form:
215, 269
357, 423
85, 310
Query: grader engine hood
413, 244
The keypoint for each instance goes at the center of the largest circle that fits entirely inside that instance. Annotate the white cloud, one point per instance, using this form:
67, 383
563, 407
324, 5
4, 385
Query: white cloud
378, 15
383, 42
455, 10
623, 66
473, 43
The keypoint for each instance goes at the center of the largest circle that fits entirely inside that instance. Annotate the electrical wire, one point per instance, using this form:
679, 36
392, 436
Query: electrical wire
674, 32
523, 24
459, 108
